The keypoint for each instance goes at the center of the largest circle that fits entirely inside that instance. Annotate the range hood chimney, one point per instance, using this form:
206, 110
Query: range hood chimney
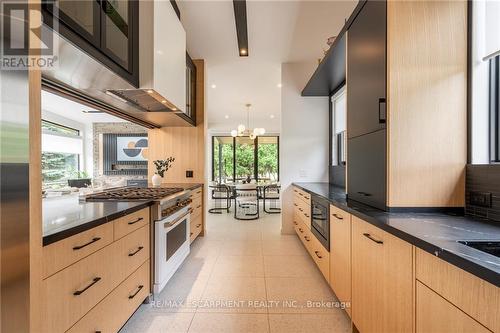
162, 61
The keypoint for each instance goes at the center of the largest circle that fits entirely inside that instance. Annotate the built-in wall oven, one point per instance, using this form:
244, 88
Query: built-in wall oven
320, 220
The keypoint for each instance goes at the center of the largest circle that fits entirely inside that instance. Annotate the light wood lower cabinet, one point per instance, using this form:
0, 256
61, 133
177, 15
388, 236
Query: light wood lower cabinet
340, 255
195, 227
59, 255
316, 250
71, 293
113, 311
472, 295
382, 280
127, 224
434, 314
197, 215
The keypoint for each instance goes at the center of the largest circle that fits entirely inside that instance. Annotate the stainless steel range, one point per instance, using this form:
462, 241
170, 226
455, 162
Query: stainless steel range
170, 229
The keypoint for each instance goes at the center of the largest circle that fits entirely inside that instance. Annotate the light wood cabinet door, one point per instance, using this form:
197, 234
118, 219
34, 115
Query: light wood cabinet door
434, 314
340, 255
382, 280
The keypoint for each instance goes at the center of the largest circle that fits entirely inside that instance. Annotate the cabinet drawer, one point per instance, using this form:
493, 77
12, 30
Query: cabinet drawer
320, 256
338, 214
112, 312
303, 195
197, 207
436, 315
127, 224
303, 210
61, 254
72, 292
195, 227
196, 193
340, 254
474, 296
131, 252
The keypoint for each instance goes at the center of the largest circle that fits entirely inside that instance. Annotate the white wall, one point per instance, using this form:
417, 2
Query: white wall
304, 136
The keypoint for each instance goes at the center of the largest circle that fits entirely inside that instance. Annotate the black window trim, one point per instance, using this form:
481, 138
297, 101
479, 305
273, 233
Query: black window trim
63, 126
256, 156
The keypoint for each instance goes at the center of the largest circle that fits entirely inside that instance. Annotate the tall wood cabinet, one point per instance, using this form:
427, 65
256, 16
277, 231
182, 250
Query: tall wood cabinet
382, 280
406, 104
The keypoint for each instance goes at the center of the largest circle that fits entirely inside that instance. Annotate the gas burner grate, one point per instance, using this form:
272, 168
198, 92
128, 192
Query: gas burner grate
134, 193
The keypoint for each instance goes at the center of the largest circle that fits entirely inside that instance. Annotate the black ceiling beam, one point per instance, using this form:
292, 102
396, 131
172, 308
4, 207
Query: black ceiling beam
240, 18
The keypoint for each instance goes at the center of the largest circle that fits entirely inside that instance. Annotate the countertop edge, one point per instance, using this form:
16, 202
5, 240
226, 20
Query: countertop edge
450, 257
63, 234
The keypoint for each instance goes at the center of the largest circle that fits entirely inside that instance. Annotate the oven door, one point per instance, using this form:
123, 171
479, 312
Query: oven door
320, 220
171, 246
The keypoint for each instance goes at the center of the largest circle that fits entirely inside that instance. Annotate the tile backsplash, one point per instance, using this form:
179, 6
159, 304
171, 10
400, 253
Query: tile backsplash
483, 178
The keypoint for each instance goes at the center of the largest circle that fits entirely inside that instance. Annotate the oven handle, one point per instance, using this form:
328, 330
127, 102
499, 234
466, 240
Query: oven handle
172, 224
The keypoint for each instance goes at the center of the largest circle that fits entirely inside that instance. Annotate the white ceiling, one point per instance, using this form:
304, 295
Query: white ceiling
74, 111
278, 32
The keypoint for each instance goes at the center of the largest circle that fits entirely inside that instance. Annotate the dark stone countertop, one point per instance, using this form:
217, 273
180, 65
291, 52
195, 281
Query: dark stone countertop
66, 216
436, 233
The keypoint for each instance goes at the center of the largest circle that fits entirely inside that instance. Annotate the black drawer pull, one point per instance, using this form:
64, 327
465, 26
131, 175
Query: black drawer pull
198, 206
317, 254
94, 281
198, 225
135, 294
295, 222
301, 231
338, 217
301, 209
136, 251
307, 238
134, 222
382, 113
365, 194
367, 235
95, 239
295, 205
190, 234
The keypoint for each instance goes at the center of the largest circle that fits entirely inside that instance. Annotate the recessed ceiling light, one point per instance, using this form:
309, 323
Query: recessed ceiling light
174, 109
243, 51
272, 116
150, 91
164, 102
213, 86
279, 85
226, 116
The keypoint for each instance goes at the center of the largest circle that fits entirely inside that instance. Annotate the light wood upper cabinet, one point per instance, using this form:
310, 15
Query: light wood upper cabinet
382, 280
340, 254
434, 314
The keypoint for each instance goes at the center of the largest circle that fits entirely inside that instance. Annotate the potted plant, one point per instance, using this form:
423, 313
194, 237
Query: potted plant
79, 179
161, 166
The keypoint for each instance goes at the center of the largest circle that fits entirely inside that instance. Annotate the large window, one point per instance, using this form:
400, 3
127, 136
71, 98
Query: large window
241, 158
62, 148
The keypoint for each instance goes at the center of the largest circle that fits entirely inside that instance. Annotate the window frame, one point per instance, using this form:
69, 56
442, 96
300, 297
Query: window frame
256, 156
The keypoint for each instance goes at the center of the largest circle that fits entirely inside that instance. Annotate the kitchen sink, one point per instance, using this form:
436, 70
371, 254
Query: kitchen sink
491, 247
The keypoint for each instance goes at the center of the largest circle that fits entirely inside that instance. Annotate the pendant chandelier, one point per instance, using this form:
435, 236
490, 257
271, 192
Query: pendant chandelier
245, 131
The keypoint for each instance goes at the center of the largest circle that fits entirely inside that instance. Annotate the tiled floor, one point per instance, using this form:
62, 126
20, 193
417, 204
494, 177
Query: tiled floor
243, 276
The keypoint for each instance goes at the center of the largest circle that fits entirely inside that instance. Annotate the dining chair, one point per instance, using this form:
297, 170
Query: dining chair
221, 198
271, 194
246, 202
